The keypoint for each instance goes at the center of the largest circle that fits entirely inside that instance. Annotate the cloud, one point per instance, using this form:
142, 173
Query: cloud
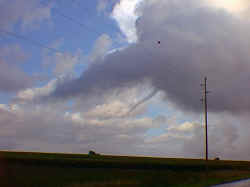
236, 7
116, 109
125, 14
64, 63
101, 46
227, 138
81, 127
12, 78
114, 104
26, 128
15, 14
29, 13
196, 41
185, 127
145, 99
224, 135
31, 94
103, 5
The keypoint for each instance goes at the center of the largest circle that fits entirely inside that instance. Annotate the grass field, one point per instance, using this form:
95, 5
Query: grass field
78, 170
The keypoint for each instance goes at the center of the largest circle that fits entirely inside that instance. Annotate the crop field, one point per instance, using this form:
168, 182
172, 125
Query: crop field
19, 169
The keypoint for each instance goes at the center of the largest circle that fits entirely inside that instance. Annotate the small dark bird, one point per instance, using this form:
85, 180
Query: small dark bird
159, 42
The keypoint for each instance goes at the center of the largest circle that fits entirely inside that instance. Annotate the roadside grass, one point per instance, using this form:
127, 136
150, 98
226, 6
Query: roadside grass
67, 170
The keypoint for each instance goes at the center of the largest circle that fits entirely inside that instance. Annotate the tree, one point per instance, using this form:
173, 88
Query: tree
92, 153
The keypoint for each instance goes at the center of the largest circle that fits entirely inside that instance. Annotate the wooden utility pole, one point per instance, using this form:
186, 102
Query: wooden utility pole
205, 115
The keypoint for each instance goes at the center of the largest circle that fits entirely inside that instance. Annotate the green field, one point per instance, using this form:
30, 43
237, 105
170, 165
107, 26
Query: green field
79, 170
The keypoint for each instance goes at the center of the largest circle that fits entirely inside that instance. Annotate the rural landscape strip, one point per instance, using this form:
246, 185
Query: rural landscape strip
108, 169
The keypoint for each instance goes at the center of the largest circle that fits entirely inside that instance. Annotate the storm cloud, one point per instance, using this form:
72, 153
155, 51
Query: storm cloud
195, 41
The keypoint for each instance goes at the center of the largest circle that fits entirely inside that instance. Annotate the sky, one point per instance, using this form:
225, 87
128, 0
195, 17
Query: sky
123, 77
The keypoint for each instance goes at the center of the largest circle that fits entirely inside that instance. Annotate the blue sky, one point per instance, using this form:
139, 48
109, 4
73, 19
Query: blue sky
105, 80
74, 35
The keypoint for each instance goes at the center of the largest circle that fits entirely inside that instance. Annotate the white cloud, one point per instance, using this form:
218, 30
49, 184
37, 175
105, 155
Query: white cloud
32, 93
101, 46
65, 63
125, 14
232, 6
178, 133
94, 127
62, 64
29, 128
119, 104
109, 110
184, 127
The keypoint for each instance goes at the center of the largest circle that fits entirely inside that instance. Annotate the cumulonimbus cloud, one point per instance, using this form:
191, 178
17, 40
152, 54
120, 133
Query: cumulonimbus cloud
195, 41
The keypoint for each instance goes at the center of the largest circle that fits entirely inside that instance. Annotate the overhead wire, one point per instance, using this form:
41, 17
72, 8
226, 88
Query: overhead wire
54, 50
87, 11
39, 44
72, 19
33, 42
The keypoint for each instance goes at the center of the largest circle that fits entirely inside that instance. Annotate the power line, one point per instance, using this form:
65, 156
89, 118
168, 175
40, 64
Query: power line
54, 50
72, 19
33, 42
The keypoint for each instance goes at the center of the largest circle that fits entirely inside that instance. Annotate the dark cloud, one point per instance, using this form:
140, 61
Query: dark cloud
195, 42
